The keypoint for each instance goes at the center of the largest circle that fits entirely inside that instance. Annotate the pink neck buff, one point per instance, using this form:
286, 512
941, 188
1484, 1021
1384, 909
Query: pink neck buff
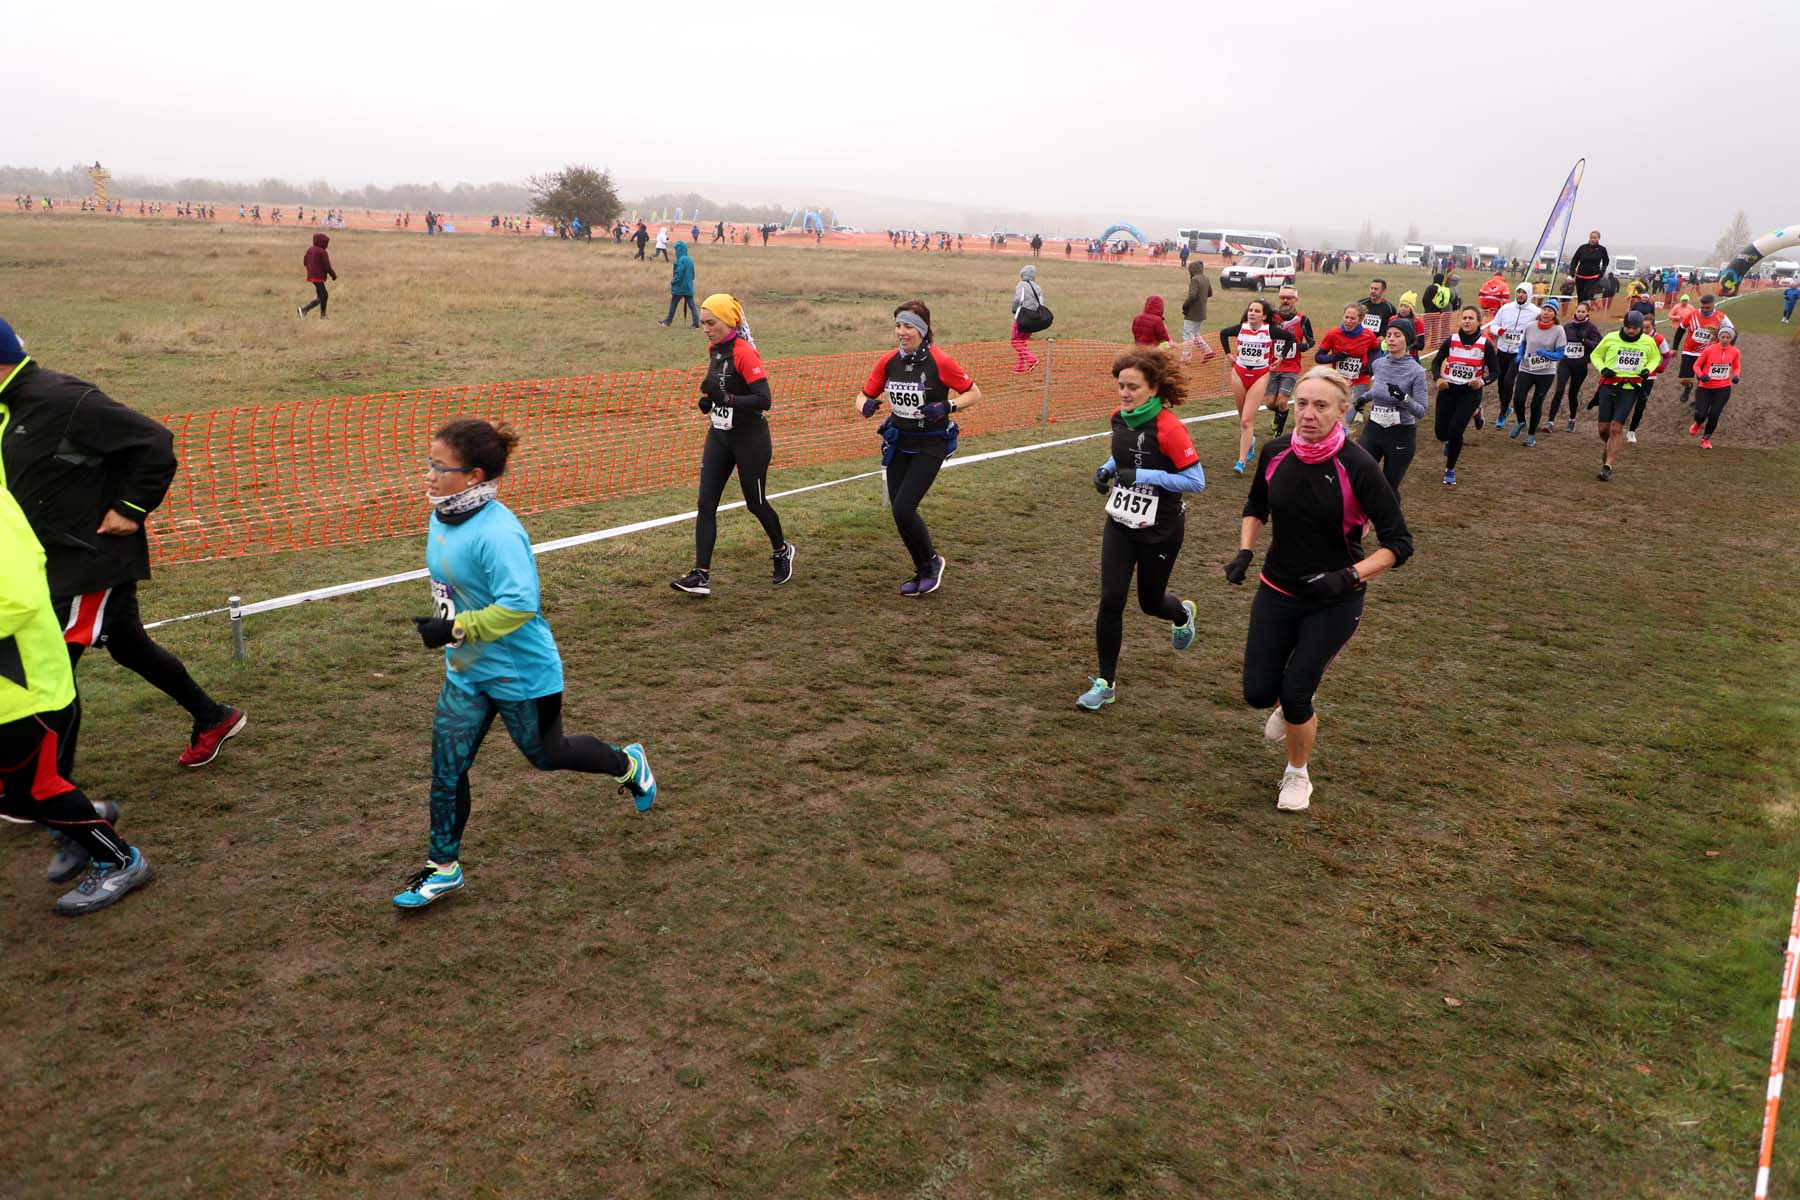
1319, 451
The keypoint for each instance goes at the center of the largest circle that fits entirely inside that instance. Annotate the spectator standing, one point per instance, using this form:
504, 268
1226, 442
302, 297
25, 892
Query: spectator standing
318, 268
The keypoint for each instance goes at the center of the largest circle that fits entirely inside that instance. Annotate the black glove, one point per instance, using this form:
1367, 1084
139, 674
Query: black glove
706, 404
937, 410
1103, 478
1397, 393
712, 389
1329, 585
1127, 476
435, 632
870, 405
1236, 569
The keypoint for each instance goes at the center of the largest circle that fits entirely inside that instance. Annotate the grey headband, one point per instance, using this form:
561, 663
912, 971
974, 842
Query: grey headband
907, 316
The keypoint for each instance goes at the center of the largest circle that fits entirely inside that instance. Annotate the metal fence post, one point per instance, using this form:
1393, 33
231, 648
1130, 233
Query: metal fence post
1049, 363
235, 604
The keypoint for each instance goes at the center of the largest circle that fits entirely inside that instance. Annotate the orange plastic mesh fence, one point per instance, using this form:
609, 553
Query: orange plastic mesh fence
317, 473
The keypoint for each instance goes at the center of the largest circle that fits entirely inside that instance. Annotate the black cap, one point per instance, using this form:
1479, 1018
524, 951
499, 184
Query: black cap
1634, 319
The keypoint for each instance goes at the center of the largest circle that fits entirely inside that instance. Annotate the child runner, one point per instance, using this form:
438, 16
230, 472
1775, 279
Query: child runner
499, 656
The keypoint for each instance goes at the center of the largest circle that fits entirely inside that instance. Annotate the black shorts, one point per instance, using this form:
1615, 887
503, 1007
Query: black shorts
1687, 365
1615, 403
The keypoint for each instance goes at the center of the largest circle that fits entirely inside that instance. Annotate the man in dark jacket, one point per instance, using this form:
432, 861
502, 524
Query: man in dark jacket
1193, 309
88, 471
318, 269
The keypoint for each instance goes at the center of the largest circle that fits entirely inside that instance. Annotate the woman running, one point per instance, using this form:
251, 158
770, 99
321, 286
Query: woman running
1320, 489
735, 394
1540, 351
1259, 346
499, 656
923, 386
1716, 370
1399, 396
1350, 350
1580, 336
1153, 463
1415, 337
1462, 367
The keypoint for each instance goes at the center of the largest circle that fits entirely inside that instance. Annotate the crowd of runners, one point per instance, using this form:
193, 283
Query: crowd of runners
89, 471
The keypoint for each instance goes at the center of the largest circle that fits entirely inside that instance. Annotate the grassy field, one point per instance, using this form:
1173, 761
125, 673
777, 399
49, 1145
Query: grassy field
904, 922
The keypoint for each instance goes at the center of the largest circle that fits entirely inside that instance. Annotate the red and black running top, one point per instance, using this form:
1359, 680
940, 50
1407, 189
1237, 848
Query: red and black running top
913, 381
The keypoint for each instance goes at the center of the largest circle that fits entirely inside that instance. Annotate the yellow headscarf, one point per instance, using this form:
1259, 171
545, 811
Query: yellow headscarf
722, 306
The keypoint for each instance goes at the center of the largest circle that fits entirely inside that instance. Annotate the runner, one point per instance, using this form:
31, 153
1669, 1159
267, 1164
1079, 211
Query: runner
1701, 328
1625, 359
89, 471
1643, 395
1350, 350
1540, 351
1678, 315
1506, 331
1493, 293
1717, 369
1609, 291
1259, 346
1588, 267
1286, 373
1153, 463
923, 386
1377, 310
1415, 336
734, 393
1320, 489
1790, 296
1462, 366
1400, 396
37, 708
500, 658
317, 261
1580, 337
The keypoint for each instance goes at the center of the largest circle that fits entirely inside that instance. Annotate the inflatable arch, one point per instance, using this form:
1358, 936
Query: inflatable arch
808, 221
1133, 230
1755, 252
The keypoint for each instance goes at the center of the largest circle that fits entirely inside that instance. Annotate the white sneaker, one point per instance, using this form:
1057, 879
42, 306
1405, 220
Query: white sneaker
1631, 437
1296, 792
1275, 728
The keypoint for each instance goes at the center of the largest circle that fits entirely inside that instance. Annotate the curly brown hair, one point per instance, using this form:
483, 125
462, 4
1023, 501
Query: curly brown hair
1160, 371
479, 443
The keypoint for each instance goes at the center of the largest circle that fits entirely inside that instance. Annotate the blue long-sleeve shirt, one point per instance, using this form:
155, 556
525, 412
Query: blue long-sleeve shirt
1191, 480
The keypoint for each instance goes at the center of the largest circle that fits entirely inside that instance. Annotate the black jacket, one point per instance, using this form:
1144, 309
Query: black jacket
1589, 262
70, 453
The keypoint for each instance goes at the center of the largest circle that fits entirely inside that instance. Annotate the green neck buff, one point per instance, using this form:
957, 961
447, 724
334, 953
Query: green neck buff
1144, 413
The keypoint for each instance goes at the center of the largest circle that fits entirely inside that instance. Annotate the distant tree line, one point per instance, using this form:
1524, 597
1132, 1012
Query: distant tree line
461, 197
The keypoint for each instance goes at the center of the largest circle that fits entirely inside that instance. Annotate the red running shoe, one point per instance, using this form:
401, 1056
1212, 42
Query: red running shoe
203, 747
1694, 429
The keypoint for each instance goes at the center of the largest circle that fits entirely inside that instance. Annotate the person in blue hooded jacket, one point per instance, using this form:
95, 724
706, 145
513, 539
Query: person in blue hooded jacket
681, 287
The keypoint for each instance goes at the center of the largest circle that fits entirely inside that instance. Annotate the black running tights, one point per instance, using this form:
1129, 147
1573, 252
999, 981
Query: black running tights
1120, 556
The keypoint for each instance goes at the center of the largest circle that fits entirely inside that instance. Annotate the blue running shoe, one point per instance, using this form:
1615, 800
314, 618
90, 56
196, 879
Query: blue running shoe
1237, 468
428, 884
1183, 635
1518, 428
1499, 425
105, 884
1251, 456
640, 782
1450, 477
1096, 697
1530, 441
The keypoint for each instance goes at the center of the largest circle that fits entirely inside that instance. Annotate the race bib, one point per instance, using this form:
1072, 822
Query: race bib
1133, 507
1536, 364
907, 400
1574, 350
443, 603
1702, 335
1372, 322
1253, 357
1291, 350
1509, 342
1719, 371
1630, 361
1385, 416
1349, 368
722, 416
1460, 372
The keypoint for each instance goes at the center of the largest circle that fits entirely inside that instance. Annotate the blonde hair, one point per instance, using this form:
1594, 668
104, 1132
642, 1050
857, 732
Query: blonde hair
1328, 375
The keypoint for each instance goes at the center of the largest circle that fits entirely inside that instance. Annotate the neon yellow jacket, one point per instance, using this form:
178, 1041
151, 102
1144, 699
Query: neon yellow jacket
1640, 358
35, 675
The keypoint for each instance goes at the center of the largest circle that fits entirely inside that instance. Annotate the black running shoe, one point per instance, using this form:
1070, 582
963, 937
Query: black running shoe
1605, 472
695, 583
784, 563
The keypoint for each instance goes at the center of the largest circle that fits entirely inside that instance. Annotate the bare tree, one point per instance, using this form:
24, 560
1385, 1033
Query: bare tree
1736, 236
1365, 237
1412, 233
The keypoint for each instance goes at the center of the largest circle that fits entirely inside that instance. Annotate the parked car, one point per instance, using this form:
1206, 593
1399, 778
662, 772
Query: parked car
1709, 274
1259, 271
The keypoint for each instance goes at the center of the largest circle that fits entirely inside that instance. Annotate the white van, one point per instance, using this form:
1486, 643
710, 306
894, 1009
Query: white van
1624, 265
1412, 254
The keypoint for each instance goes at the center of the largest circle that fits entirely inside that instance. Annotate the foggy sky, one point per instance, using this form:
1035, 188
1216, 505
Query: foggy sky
1162, 113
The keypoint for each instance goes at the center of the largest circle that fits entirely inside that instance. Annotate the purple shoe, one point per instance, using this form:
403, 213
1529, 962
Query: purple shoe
910, 587
929, 581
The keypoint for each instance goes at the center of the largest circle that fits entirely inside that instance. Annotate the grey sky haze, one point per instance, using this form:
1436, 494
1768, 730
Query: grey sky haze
1419, 113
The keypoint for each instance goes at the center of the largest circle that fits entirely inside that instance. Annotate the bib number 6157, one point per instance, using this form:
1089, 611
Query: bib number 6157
1133, 507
